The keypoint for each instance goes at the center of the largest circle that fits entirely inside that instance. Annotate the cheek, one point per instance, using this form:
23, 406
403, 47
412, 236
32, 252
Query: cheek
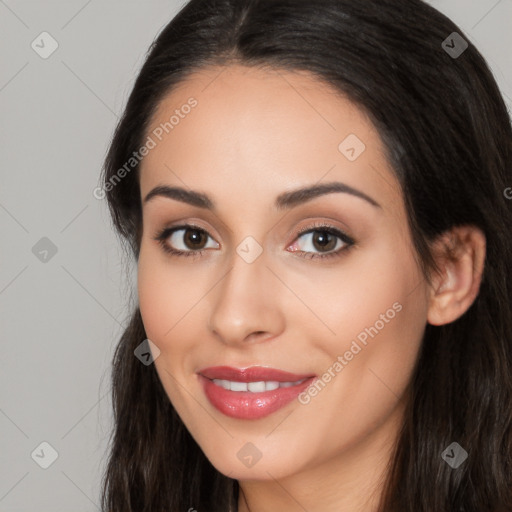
165, 294
170, 300
375, 309
368, 363
165, 297
368, 288
155, 301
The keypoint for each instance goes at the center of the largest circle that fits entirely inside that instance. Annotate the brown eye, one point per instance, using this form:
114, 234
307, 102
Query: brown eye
324, 241
194, 238
184, 240
321, 241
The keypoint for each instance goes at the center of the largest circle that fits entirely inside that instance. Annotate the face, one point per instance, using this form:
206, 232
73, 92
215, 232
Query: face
323, 285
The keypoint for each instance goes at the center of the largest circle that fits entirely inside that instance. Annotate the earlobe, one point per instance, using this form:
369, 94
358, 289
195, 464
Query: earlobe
460, 256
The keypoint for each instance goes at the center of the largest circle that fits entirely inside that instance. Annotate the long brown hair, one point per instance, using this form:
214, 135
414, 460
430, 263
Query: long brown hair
448, 137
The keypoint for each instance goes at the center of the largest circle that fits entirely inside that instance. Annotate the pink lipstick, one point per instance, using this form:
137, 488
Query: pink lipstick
251, 393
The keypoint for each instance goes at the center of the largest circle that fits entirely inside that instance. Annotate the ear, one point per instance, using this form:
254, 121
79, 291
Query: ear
460, 256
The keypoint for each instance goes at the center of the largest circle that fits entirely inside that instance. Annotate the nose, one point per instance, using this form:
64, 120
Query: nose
246, 305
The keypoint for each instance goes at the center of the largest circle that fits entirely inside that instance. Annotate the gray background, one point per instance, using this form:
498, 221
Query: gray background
62, 314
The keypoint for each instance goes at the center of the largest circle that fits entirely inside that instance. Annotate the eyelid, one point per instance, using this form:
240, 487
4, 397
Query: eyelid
319, 225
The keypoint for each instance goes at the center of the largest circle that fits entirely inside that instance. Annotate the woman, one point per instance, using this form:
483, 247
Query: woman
315, 194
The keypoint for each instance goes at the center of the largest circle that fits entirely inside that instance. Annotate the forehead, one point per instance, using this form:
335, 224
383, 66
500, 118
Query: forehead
262, 131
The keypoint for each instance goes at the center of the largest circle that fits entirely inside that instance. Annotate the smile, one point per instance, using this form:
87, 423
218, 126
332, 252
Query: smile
251, 393
255, 387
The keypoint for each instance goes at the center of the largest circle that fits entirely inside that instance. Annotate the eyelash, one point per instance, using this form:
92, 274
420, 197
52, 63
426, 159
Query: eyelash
165, 233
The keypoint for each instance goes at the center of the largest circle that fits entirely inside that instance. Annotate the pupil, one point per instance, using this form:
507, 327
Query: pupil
323, 240
194, 236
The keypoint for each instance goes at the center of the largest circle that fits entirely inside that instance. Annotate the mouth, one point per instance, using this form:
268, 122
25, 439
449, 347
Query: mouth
251, 393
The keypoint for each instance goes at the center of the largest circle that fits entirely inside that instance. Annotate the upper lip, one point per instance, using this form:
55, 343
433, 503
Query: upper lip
251, 374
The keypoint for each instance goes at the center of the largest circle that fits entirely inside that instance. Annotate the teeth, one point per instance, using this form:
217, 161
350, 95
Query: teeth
238, 386
254, 387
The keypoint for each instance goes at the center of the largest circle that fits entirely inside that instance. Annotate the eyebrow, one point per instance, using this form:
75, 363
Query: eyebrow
285, 200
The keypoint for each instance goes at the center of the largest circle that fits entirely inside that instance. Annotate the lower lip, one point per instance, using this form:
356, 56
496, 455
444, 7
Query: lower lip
247, 405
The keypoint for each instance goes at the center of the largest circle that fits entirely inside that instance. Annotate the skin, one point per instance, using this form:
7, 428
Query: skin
254, 134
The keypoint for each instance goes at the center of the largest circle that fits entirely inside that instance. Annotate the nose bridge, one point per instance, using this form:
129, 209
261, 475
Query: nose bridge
245, 301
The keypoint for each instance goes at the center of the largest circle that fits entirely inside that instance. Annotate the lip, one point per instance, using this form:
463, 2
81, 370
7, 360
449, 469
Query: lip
251, 374
246, 404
